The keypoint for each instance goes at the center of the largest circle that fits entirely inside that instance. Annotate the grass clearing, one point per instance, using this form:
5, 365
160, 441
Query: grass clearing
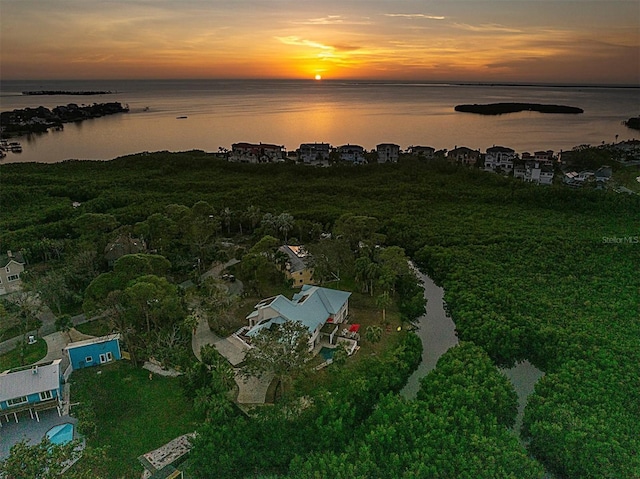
134, 414
98, 327
34, 353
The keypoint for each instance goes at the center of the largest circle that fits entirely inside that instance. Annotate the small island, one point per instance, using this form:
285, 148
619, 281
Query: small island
66, 92
502, 108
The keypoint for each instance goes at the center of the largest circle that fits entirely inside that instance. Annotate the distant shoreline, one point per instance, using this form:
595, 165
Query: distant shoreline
66, 92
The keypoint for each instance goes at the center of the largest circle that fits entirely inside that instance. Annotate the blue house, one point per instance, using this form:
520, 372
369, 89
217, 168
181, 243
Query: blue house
313, 307
34, 388
94, 351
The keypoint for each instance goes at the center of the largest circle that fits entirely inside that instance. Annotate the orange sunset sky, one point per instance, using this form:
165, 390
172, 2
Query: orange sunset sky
496, 40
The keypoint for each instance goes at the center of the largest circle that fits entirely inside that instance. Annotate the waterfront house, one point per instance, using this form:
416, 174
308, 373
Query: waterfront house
463, 155
32, 388
313, 306
297, 268
422, 151
11, 267
499, 158
123, 245
94, 351
256, 153
314, 153
544, 157
352, 154
535, 172
388, 152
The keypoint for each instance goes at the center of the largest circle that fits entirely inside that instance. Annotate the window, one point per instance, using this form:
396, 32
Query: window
44, 395
88, 359
13, 277
16, 401
105, 358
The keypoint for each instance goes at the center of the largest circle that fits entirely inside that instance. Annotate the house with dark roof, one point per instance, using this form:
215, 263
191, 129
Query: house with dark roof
314, 153
313, 307
463, 155
388, 152
422, 151
352, 154
297, 268
11, 267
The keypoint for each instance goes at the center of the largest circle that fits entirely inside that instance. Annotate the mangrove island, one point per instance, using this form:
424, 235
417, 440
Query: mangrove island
40, 119
502, 108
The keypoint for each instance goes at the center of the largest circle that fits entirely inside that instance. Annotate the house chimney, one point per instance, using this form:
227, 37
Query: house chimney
34, 369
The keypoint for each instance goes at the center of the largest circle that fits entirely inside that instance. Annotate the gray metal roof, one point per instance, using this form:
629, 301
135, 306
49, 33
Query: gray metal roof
33, 380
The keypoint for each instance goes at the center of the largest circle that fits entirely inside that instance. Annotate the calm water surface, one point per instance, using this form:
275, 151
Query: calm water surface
288, 113
438, 333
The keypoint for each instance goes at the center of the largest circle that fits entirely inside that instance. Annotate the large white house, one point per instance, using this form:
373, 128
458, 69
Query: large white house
313, 307
499, 158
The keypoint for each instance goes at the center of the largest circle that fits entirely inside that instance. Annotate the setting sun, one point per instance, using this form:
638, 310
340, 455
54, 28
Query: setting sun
318, 77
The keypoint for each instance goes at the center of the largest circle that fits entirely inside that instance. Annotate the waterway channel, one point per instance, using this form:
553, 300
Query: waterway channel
438, 333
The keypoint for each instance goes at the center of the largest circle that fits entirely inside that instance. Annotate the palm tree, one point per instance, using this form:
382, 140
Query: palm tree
284, 222
254, 215
227, 214
383, 302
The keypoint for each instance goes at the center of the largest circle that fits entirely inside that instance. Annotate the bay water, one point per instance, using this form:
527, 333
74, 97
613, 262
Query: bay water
222, 112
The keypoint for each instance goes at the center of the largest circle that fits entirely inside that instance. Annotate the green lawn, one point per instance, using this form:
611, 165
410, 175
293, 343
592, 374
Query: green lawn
134, 414
34, 353
98, 327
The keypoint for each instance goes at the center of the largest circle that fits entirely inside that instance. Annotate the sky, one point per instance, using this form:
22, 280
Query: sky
548, 41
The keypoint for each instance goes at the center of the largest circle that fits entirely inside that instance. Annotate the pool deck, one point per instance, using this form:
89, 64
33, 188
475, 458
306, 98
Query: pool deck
27, 428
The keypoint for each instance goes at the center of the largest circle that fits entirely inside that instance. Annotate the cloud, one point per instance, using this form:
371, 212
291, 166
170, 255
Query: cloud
487, 28
415, 16
295, 40
333, 20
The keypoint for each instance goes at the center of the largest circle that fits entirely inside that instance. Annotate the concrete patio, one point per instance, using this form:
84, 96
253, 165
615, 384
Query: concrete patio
29, 429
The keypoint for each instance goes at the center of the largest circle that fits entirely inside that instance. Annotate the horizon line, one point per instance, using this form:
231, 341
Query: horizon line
523, 83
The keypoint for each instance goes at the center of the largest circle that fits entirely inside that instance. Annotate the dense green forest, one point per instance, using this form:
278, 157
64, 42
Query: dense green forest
547, 274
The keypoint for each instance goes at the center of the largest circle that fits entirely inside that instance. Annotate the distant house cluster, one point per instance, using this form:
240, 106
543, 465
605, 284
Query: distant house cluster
317, 154
539, 167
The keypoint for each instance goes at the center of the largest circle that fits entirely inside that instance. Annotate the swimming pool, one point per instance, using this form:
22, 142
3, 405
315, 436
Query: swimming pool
61, 434
327, 353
